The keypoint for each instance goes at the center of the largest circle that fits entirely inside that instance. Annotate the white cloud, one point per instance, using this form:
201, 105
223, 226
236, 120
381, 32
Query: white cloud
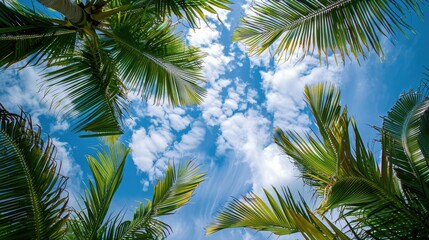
60, 126
192, 139
203, 36
70, 169
284, 87
216, 62
148, 146
248, 136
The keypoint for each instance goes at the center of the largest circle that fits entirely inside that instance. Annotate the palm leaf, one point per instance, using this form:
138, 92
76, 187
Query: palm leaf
27, 34
349, 28
90, 81
155, 62
107, 170
32, 200
192, 11
171, 193
325, 155
405, 124
282, 217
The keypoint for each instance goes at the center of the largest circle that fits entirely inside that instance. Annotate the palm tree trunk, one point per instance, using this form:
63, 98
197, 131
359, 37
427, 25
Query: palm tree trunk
70, 10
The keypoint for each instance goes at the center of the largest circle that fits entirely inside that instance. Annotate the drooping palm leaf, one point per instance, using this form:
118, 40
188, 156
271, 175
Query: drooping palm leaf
27, 34
349, 28
107, 170
155, 62
405, 123
171, 193
282, 217
32, 198
91, 83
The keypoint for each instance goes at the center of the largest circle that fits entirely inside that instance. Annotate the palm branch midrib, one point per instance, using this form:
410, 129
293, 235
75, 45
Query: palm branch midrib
32, 192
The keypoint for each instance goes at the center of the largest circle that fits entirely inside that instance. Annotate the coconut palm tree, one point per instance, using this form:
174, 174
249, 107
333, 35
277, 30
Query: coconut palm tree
33, 203
347, 28
98, 51
384, 198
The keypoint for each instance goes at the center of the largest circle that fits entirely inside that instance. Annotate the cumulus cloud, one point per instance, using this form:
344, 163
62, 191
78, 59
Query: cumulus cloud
171, 135
284, 87
70, 169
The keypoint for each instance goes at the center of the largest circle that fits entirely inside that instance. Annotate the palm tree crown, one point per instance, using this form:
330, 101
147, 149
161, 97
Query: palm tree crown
102, 50
384, 198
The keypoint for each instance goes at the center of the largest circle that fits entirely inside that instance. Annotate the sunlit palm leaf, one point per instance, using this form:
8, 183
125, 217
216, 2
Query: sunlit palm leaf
32, 201
155, 62
107, 170
350, 28
26, 34
345, 173
282, 217
326, 154
171, 193
90, 81
192, 11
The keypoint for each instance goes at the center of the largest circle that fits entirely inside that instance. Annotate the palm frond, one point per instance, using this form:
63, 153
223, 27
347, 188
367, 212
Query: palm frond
192, 11
405, 124
97, 94
282, 217
349, 28
171, 193
107, 170
27, 34
32, 198
322, 156
155, 62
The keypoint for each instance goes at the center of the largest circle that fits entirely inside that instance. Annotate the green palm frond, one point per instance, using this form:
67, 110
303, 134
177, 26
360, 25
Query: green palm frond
97, 94
107, 170
406, 124
155, 62
192, 11
171, 193
27, 34
349, 28
282, 217
324, 155
32, 200
337, 164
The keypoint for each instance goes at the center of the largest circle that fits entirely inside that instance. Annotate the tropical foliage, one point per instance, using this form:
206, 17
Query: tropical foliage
350, 29
383, 198
32, 200
98, 51
33, 204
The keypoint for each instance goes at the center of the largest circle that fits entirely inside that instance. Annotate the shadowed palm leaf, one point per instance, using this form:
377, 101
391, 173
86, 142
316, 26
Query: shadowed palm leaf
350, 28
26, 34
32, 201
97, 94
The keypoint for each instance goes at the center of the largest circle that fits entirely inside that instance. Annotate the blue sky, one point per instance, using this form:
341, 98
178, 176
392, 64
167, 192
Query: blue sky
230, 134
